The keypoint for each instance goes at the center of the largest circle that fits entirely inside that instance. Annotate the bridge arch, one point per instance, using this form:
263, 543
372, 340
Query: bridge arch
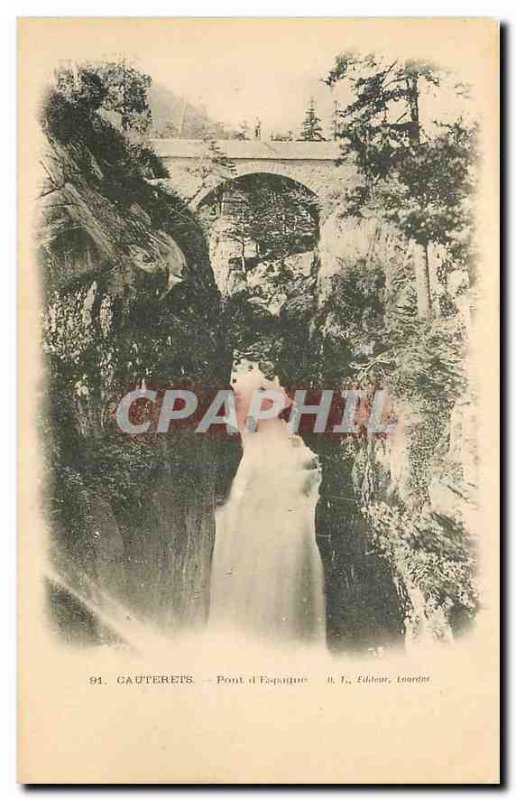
259, 218
272, 169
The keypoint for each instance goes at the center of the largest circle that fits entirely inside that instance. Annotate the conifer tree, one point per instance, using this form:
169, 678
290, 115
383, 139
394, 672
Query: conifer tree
417, 179
311, 130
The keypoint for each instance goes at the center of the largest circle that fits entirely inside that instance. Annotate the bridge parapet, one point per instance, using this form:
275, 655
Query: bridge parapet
241, 149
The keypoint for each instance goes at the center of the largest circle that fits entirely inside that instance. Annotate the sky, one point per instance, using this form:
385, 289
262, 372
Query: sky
271, 74
258, 83
244, 69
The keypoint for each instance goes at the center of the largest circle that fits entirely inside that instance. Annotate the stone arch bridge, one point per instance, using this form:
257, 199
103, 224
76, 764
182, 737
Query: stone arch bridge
197, 167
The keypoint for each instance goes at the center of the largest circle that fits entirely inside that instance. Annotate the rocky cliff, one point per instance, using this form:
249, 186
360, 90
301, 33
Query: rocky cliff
130, 299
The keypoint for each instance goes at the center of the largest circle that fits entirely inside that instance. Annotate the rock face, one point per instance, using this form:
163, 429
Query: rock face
395, 513
130, 299
364, 608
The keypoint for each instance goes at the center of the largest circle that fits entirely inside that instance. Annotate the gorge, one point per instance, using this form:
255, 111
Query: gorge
250, 274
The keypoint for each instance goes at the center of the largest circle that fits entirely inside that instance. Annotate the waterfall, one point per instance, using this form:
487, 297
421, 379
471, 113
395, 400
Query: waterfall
267, 577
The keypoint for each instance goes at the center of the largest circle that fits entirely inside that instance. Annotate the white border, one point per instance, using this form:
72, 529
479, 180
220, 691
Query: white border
503, 11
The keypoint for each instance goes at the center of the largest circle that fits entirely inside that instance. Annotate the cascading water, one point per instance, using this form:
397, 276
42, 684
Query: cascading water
267, 577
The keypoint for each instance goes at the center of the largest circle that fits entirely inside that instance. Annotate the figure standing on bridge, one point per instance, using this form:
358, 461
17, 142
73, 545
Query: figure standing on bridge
258, 130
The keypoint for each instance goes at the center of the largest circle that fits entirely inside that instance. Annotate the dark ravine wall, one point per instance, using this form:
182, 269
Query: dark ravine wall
392, 517
130, 296
365, 608
398, 553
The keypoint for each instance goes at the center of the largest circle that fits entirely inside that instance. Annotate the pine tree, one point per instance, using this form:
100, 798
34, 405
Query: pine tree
336, 122
419, 180
311, 130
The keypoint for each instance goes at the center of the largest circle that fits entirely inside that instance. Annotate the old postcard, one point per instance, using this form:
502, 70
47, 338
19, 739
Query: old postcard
258, 400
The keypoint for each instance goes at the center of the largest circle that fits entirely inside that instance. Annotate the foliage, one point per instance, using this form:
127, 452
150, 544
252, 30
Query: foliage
288, 136
433, 554
277, 215
212, 167
369, 335
418, 179
115, 89
243, 132
311, 130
